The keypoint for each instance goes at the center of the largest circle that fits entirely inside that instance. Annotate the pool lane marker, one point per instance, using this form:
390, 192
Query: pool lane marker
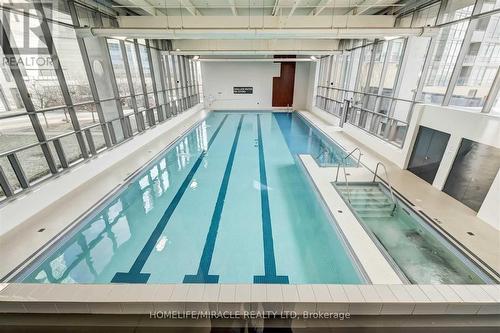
202, 275
134, 275
267, 230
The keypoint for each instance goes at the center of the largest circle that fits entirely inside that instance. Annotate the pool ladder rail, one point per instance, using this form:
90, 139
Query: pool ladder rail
343, 163
375, 175
391, 191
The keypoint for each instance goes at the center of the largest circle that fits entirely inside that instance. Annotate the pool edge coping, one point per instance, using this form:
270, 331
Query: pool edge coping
190, 298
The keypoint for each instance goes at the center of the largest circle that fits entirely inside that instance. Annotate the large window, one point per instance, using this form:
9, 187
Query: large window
496, 105
465, 56
480, 64
383, 79
444, 58
76, 90
456, 10
118, 62
199, 81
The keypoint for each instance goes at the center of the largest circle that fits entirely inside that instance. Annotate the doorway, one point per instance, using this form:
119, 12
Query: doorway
283, 85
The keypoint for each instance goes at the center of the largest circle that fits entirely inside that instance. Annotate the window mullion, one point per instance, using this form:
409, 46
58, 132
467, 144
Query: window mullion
464, 48
492, 94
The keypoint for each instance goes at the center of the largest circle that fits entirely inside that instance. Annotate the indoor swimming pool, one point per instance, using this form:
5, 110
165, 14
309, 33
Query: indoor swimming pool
227, 203
422, 255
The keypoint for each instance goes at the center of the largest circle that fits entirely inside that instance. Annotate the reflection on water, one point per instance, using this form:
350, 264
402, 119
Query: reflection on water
303, 139
88, 253
83, 255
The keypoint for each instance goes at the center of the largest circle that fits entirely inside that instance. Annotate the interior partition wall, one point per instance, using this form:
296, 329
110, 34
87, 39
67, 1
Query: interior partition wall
64, 99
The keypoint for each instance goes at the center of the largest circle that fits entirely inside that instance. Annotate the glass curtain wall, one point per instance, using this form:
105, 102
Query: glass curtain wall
65, 98
383, 79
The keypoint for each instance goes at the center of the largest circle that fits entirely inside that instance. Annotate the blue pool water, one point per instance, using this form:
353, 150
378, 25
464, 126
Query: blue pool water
227, 203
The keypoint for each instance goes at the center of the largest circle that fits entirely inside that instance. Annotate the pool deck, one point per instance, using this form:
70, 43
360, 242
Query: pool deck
385, 297
451, 215
389, 300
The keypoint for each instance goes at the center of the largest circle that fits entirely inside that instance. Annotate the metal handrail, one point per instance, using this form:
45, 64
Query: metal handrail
352, 152
13, 114
367, 93
109, 138
83, 129
345, 179
345, 158
388, 182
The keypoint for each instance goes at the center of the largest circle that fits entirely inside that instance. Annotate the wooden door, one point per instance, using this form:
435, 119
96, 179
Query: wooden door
284, 84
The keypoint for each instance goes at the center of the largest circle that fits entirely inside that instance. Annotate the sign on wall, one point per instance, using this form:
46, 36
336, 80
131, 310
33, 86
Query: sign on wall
243, 90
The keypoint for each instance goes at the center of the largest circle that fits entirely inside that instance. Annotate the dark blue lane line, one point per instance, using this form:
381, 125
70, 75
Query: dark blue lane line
134, 275
202, 275
267, 230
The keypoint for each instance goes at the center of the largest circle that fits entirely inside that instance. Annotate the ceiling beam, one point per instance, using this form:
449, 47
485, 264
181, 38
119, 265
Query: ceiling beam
276, 7
255, 34
144, 5
320, 7
233, 7
295, 4
252, 46
190, 7
363, 7
264, 22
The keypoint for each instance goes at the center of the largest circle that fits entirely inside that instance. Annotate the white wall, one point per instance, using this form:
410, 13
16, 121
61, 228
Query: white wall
302, 85
474, 126
459, 124
490, 210
219, 78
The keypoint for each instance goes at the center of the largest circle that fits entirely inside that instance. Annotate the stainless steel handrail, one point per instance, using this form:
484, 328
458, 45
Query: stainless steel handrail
352, 152
345, 158
367, 93
388, 182
345, 179
109, 138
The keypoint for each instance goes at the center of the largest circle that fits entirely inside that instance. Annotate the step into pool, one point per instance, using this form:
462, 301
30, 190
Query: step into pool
227, 203
421, 254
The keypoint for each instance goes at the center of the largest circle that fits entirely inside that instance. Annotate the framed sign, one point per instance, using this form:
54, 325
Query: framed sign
243, 90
